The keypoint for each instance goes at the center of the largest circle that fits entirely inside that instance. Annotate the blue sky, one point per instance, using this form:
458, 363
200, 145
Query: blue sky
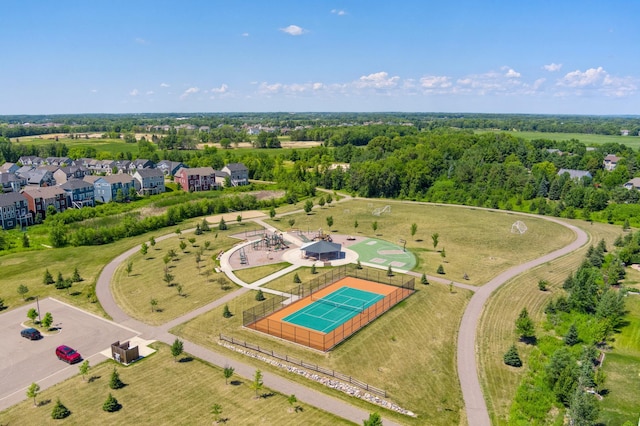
538, 56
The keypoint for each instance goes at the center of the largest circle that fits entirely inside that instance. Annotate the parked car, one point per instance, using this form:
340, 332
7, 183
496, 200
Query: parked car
31, 334
66, 354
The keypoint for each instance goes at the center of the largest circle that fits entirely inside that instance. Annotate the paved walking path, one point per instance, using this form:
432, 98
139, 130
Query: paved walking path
476, 407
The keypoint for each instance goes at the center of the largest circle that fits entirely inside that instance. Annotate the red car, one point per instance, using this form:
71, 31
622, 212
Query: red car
66, 354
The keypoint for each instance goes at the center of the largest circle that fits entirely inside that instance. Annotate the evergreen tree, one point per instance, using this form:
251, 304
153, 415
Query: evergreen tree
571, 338
59, 411
512, 358
226, 312
296, 278
525, 328
111, 404
260, 296
48, 278
76, 278
114, 381
222, 226
584, 410
440, 270
423, 279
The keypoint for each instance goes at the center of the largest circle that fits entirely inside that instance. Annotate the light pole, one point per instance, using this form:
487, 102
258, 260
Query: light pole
38, 307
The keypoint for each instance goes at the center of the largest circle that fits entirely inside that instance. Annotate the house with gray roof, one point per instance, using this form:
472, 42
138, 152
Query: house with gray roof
169, 168
80, 193
149, 181
14, 211
106, 187
238, 173
40, 198
10, 182
9, 167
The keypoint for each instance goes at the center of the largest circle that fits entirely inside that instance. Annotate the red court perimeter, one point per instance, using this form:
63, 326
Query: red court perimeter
275, 326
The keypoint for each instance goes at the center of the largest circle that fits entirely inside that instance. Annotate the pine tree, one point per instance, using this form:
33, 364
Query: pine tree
571, 338
423, 279
59, 411
226, 312
512, 358
296, 279
111, 404
440, 270
115, 382
525, 328
48, 278
260, 296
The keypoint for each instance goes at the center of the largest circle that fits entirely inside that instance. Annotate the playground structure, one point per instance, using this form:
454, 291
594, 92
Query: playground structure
321, 236
273, 241
380, 210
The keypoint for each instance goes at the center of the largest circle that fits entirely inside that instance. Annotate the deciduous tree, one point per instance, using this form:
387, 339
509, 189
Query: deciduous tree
176, 349
227, 372
32, 392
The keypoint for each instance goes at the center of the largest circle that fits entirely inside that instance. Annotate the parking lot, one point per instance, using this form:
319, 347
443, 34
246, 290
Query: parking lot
23, 361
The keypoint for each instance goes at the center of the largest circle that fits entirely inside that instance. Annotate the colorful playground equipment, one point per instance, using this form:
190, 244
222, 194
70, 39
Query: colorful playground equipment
273, 241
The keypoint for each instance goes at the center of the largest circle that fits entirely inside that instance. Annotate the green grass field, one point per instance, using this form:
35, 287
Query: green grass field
476, 242
133, 293
110, 146
587, 139
151, 396
253, 274
496, 328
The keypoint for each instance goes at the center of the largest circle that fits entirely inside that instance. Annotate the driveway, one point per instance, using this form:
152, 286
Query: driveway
23, 361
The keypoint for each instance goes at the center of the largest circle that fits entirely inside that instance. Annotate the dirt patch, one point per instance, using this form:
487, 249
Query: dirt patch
262, 195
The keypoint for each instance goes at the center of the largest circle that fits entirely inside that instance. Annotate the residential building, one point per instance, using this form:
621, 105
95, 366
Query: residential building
610, 162
633, 184
9, 167
149, 181
58, 161
196, 179
140, 164
238, 173
170, 168
106, 187
14, 211
64, 174
39, 200
10, 182
39, 177
80, 193
30, 160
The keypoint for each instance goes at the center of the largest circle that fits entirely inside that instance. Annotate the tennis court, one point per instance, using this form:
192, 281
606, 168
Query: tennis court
331, 311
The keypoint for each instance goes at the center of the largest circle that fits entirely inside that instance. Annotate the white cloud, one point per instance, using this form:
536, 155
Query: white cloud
598, 79
578, 78
338, 12
245, 34
512, 73
433, 82
164, 85
150, 92
94, 90
552, 67
220, 90
134, 92
293, 30
379, 80
140, 40
189, 91
292, 89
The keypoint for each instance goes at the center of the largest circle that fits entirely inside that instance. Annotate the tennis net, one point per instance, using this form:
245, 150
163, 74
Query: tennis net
338, 305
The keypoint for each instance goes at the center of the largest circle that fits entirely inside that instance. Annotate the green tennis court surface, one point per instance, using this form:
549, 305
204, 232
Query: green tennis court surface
334, 309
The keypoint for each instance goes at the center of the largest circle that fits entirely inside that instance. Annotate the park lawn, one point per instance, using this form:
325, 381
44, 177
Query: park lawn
164, 392
587, 139
622, 367
28, 268
253, 274
496, 329
285, 282
134, 293
409, 352
476, 242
